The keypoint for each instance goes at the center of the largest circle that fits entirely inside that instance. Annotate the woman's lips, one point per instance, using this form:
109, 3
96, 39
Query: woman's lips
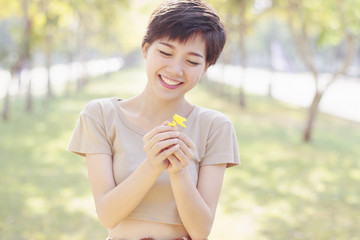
169, 83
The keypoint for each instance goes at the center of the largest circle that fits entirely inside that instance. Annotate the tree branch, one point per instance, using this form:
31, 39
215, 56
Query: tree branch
301, 40
350, 53
350, 47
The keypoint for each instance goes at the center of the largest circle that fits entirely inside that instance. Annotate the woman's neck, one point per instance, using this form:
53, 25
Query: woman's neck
148, 111
152, 107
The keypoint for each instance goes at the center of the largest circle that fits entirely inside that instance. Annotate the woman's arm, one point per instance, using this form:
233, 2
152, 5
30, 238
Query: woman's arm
197, 205
113, 203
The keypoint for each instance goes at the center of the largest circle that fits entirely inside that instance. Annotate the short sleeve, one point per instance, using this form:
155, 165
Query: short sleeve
221, 146
89, 135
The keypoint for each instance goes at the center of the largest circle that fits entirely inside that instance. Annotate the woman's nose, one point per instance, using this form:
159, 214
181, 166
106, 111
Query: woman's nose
175, 67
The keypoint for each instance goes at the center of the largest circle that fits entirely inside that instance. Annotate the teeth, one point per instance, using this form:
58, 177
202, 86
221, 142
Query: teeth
169, 81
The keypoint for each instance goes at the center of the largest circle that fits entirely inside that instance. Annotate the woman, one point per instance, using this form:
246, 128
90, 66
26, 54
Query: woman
151, 180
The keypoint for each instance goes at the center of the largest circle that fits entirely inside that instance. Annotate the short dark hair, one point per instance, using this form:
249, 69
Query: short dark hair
182, 19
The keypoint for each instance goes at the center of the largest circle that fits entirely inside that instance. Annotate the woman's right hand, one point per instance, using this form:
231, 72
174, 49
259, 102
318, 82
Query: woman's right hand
160, 143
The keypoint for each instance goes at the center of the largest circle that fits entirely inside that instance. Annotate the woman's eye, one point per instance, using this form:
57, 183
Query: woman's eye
193, 63
165, 53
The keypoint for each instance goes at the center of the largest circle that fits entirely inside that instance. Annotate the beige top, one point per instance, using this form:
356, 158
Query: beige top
102, 128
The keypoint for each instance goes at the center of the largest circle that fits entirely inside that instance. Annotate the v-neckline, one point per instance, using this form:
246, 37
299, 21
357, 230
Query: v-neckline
135, 128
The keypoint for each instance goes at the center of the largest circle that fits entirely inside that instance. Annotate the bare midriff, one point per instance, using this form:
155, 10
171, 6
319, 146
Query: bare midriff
137, 229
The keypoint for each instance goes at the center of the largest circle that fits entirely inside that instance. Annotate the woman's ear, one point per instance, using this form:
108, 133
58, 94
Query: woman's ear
145, 50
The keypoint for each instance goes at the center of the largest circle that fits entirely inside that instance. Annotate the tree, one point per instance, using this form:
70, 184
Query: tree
22, 38
331, 25
27, 47
9, 51
96, 29
51, 12
78, 28
241, 16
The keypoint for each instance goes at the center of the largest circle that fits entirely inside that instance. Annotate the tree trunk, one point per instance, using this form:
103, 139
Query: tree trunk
270, 65
243, 77
48, 66
303, 46
70, 75
313, 111
82, 49
6, 109
242, 97
27, 52
243, 56
271, 76
29, 97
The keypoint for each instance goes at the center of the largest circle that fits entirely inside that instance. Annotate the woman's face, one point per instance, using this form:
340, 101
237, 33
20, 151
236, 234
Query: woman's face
174, 68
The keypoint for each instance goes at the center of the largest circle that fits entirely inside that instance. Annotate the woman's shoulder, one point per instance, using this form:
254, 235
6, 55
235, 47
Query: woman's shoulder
100, 105
211, 117
101, 109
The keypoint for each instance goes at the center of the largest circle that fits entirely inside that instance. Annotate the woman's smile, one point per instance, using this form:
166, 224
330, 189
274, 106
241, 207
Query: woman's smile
174, 67
169, 83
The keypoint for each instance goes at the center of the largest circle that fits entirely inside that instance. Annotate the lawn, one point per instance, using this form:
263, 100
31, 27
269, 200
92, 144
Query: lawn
285, 189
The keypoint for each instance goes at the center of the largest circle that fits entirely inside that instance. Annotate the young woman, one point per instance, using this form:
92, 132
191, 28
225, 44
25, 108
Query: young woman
151, 180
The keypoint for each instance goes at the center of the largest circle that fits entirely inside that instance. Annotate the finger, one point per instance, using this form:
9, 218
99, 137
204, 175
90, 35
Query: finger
154, 150
156, 130
181, 158
149, 144
175, 163
159, 147
187, 141
166, 153
164, 136
189, 153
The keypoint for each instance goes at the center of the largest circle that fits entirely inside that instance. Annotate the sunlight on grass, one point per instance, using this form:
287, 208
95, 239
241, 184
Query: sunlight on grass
283, 190
37, 205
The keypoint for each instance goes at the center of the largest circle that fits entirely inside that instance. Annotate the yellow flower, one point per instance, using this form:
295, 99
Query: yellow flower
178, 120
172, 124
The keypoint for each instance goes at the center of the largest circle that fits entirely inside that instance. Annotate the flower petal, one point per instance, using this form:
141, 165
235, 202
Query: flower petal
180, 120
173, 124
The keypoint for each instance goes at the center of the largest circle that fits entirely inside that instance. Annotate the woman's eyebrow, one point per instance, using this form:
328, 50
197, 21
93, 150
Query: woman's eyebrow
172, 47
167, 44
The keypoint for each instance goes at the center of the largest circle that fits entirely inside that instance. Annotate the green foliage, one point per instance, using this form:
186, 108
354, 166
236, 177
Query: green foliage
8, 53
44, 189
85, 26
8, 8
326, 21
284, 189
239, 17
109, 27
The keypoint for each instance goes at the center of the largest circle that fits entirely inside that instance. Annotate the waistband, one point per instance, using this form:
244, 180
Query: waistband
182, 238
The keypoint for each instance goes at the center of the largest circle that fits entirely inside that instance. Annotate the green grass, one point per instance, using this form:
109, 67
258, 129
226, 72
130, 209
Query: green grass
284, 189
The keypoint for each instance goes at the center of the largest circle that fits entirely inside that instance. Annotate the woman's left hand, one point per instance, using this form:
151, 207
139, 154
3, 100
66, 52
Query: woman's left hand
183, 156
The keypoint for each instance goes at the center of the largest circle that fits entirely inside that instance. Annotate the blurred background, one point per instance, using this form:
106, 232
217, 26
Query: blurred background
289, 78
